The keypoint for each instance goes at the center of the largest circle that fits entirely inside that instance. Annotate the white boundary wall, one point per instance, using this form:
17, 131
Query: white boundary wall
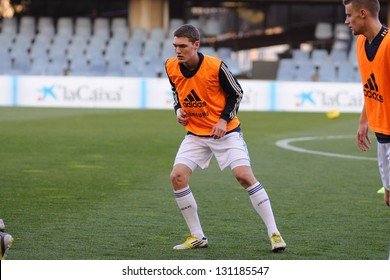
136, 93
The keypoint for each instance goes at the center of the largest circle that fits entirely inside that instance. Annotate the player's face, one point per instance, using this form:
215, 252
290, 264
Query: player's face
186, 51
354, 19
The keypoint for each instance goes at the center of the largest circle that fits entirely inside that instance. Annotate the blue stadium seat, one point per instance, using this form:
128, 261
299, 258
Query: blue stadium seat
9, 26
319, 55
5, 62
305, 71
65, 26
286, 69
83, 27
326, 71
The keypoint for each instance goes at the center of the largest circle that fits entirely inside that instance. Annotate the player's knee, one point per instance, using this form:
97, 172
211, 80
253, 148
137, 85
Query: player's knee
244, 176
178, 180
244, 180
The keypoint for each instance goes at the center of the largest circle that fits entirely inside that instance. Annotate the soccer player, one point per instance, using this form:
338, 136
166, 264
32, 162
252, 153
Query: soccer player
206, 100
373, 54
6, 241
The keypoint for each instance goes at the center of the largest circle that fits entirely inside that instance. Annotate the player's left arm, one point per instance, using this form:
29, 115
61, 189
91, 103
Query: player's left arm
233, 91
234, 94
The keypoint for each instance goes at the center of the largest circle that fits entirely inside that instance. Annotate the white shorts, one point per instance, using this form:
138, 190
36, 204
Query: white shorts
384, 163
230, 150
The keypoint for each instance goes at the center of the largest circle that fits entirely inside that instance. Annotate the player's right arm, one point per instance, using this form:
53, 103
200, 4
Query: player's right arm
181, 115
362, 139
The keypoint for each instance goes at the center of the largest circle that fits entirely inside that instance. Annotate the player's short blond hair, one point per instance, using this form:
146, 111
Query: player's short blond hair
372, 6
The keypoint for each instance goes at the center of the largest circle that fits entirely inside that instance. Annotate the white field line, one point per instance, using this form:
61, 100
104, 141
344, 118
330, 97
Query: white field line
286, 144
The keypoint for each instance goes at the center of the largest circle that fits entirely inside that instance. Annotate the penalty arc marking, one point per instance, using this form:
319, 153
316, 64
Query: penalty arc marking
286, 144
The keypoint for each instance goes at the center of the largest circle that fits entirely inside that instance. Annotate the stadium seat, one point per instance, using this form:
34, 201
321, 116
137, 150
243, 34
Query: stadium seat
79, 67
338, 56
150, 70
352, 51
345, 72
83, 27
157, 35
43, 40
5, 42
121, 33
130, 70
207, 51
45, 25
101, 28
305, 71
21, 63
21, 46
79, 44
356, 73
326, 71
57, 66
133, 49
323, 31
38, 67
96, 45
342, 32
342, 37
59, 40
23, 41
97, 65
119, 28
139, 34
114, 66
74, 53
39, 53
318, 56
152, 49
9, 26
167, 49
174, 23
65, 26
5, 62
224, 53
212, 27
233, 66
118, 22
300, 55
114, 48
58, 48
195, 22
286, 69
27, 26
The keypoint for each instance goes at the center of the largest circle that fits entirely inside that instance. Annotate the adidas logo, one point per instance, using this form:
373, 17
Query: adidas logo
371, 89
193, 101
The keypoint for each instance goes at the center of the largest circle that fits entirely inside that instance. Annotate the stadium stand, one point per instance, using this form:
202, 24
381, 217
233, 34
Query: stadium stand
337, 65
109, 47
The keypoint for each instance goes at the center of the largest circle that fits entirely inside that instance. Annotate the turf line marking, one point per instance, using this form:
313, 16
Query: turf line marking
286, 144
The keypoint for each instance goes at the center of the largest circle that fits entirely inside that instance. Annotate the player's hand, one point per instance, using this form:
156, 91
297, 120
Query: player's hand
362, 139
219, 129
182, 117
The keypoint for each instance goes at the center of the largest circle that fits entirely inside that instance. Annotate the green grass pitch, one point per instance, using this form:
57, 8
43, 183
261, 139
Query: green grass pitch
94, 184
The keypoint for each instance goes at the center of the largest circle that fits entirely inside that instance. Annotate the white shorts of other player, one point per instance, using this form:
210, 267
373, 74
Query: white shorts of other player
230, 150
384, 163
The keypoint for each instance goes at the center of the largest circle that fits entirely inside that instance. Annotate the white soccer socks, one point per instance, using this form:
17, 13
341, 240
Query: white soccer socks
262, 205
257, 194
188, 207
